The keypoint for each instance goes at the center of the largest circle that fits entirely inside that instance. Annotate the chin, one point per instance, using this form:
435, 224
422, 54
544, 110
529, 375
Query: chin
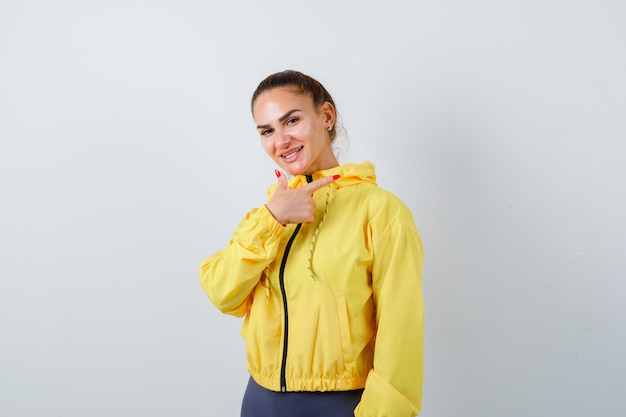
295, 170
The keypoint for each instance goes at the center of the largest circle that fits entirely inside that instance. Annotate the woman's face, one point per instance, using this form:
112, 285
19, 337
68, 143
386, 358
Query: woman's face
293, 133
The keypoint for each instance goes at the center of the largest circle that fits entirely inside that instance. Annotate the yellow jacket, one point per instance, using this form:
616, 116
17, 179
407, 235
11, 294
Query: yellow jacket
331, 305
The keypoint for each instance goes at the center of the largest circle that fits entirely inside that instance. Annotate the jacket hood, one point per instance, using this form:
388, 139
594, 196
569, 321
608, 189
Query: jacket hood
350, 174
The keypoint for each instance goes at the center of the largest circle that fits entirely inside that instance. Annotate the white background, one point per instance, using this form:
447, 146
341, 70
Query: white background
128, 155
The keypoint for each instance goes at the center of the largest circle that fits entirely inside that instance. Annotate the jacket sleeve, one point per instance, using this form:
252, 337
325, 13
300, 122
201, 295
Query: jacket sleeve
229, 276
394, 386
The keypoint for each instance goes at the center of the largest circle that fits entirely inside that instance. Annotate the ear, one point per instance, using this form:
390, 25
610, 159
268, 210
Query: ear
328, 111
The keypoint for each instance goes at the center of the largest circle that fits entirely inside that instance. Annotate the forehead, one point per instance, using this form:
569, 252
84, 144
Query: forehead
274, 103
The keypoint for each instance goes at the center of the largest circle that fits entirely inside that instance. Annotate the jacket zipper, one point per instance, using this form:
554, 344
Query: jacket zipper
283, 377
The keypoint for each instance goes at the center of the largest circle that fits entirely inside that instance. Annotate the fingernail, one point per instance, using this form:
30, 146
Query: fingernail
277, 172
336, 176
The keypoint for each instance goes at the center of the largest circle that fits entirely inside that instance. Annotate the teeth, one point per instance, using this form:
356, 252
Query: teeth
288, 155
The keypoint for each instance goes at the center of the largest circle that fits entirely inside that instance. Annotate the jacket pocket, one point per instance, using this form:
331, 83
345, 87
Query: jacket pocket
345, 334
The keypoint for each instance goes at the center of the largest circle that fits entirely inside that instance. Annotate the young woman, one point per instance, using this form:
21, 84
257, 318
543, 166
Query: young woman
327, 273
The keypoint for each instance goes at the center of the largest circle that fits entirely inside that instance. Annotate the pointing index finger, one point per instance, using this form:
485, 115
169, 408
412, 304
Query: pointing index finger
319, 183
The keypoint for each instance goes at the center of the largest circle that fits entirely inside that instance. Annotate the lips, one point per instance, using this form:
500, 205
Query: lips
292, 153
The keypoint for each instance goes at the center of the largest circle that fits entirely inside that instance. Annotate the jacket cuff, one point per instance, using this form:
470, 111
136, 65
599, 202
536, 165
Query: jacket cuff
266, 219
381, 399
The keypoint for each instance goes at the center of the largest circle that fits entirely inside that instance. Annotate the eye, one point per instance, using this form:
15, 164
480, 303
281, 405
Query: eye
292, 121
265, 132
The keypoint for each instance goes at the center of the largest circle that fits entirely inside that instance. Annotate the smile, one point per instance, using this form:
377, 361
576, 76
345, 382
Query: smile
292, 153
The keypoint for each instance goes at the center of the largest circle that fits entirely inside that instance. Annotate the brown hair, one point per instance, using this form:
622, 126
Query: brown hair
302, 84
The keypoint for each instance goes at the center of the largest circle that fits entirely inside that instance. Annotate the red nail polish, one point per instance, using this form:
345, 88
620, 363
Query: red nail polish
277, 173
336, 176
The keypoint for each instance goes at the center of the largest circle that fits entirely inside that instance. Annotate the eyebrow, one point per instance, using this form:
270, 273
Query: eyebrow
280, 119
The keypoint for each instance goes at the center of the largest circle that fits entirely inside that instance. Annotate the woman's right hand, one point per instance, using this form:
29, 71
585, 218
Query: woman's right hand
295, 205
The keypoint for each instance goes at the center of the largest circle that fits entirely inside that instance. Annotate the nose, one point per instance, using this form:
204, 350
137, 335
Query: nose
282, 139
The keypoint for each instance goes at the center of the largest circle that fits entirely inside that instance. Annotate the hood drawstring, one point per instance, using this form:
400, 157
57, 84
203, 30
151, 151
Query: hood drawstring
266, 272
317, 231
